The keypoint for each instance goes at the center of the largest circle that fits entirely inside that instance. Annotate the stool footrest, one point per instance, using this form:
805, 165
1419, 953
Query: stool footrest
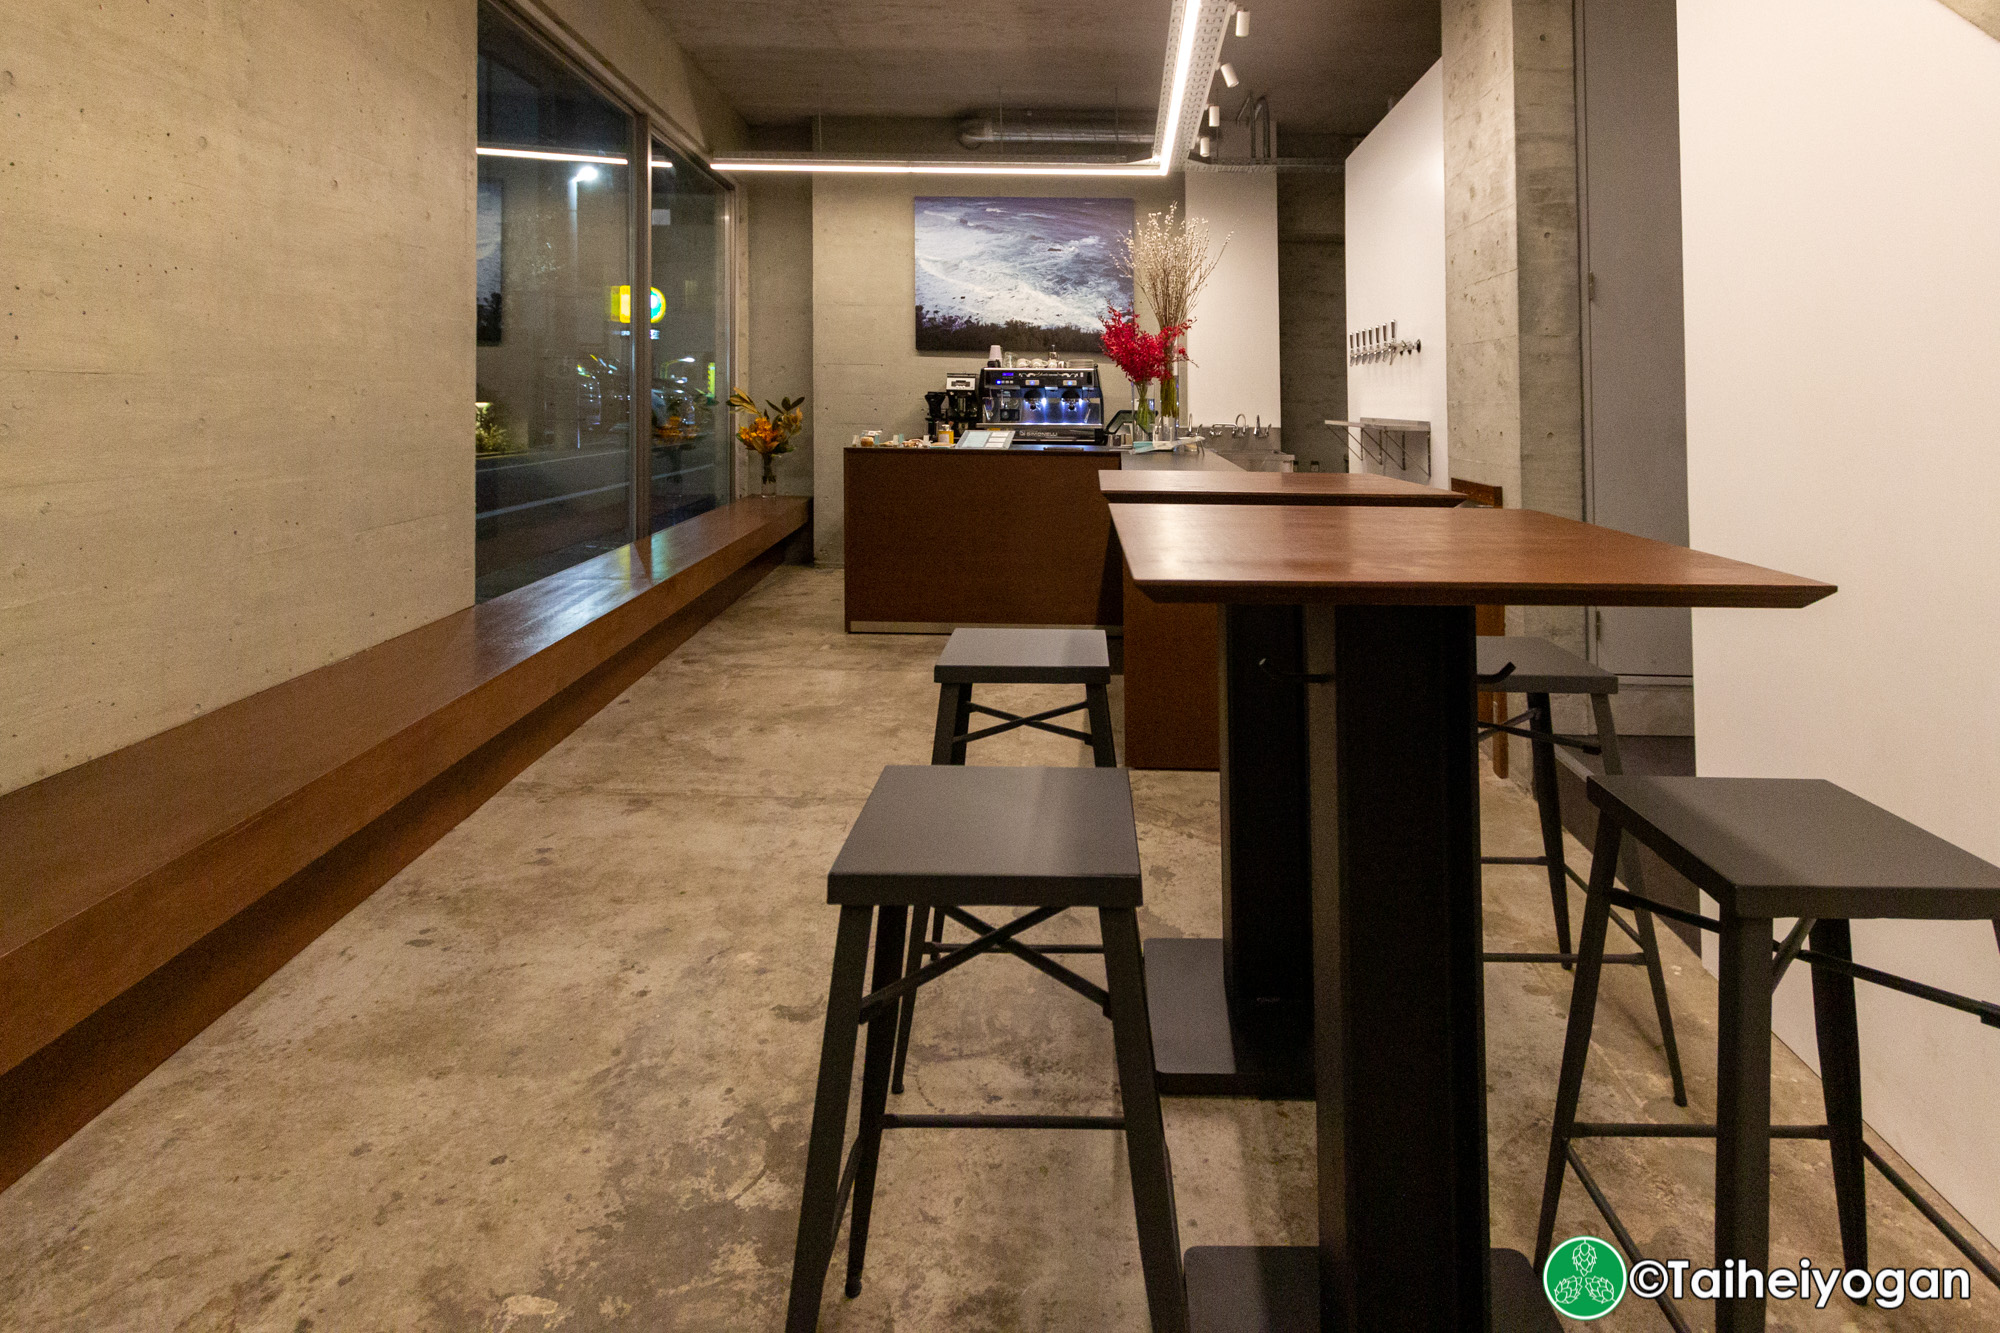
897, 1121
929, 972
1545, 737
1623, 959
1096, 994
937, 947
1039, 721
1985, 1011
1641, 1129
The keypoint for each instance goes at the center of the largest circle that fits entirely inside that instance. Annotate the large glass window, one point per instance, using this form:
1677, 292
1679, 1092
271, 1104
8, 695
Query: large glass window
690, 452
555, 236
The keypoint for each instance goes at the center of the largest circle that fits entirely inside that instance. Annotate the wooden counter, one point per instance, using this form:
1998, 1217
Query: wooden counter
937, 538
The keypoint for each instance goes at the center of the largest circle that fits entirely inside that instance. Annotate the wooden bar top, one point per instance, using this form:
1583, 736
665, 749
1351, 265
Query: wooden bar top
1305, 488
1381, 555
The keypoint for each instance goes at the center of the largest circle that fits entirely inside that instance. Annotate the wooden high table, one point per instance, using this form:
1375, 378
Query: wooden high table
1233, 1016
1387, 599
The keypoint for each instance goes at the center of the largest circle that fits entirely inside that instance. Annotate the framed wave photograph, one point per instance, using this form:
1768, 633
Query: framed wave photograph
1029, 274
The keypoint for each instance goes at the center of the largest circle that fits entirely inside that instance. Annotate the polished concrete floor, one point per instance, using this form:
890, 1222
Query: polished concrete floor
558, 1073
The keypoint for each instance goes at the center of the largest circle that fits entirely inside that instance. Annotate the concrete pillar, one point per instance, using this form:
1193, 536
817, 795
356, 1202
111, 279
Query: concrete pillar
1514, 375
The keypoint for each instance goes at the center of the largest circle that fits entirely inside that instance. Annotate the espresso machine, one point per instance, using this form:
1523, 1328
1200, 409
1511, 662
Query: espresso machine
1043, 407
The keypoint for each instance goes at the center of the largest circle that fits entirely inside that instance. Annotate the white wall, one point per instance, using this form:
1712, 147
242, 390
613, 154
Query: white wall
1233, 346
1396, 265
1840, 182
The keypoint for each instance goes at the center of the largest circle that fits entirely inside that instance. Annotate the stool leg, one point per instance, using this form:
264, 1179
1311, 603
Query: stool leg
1582, 1013
1649, 945
1840, 1081
1145, 1133
962, 723
950, 723
818, 1220
1743, 1112
907, 1010
1542, 771
1649, 940
1103, 747
890, 928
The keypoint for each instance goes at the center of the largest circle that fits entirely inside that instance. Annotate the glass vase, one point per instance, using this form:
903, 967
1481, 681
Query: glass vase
1142, 410
770, 482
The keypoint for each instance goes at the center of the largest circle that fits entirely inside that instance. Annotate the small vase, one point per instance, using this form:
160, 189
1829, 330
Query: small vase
770, 483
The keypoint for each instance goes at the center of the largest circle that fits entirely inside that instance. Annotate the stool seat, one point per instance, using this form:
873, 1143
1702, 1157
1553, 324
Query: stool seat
1540, 667
1799, 847
1025, 657
936, 834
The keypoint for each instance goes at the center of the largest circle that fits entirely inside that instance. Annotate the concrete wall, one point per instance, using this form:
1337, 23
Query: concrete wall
866, 369
235, 377
1796, 282
1514, 378
779, 213
237, 362
630, 48
1233, 346
1312, 314
1396, 274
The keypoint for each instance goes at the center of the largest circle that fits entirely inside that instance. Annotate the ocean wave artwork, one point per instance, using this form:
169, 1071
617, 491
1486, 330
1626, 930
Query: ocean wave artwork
1033, 275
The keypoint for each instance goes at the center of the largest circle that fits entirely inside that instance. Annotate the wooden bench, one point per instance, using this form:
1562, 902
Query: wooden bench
148, 890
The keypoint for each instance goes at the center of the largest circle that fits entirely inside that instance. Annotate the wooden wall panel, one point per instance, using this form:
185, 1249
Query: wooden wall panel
938, 537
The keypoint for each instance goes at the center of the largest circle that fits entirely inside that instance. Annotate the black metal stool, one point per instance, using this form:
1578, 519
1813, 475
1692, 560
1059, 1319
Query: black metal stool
1538, 669
1022, 657
1767, 848
1007, 657
945, 837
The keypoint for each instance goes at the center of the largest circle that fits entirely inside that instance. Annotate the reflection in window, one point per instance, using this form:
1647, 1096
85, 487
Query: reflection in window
554, 435
690, 454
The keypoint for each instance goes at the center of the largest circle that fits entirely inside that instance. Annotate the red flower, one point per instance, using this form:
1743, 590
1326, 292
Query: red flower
1143, 356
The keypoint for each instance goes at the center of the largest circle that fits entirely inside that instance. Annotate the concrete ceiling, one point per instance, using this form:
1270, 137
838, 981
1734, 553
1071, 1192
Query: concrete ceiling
1328, 66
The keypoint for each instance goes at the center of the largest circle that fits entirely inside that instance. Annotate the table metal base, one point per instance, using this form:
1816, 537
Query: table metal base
1275, 1289
1199, 1049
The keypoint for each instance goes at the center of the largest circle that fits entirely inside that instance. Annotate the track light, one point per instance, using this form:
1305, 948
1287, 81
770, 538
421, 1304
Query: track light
1201, 145
1229, 74
1242, 23
1214, 115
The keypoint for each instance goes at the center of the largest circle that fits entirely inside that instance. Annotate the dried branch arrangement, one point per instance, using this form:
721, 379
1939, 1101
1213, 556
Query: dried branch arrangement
1167, 257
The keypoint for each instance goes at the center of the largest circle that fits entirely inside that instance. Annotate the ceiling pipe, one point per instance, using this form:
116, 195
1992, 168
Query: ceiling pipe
1103, 129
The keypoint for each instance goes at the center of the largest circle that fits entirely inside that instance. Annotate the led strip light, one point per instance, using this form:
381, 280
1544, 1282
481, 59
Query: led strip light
1199, 25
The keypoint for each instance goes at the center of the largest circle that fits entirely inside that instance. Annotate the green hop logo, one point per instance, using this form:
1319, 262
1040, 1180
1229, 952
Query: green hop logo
1584, 1278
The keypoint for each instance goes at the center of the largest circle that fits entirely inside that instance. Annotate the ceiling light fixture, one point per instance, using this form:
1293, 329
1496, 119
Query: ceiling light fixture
1229, 74
1214, 115
1242, 23
1201, 145
542, 155
1202, 25
911, 167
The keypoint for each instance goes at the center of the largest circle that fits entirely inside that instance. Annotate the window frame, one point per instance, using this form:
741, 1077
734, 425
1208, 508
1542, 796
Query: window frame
649, 122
